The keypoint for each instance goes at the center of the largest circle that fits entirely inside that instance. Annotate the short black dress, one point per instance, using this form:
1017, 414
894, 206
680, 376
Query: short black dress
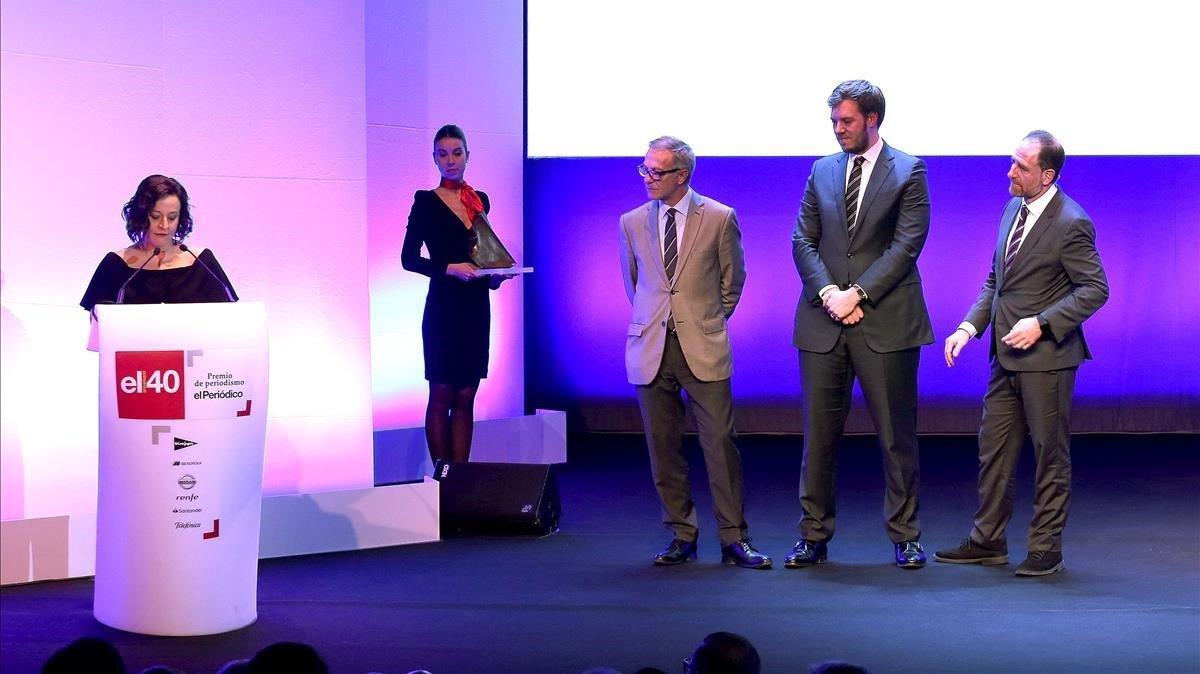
176, 285
457, 313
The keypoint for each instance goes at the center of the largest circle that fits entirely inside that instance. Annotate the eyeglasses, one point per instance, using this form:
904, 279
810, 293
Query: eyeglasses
654, 174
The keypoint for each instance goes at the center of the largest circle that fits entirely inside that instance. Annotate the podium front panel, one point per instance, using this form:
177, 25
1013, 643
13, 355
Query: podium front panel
183, 409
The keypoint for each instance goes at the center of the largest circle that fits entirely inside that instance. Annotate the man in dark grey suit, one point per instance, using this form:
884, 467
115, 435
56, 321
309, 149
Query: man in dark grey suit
683, 267
1046, 280
861, 226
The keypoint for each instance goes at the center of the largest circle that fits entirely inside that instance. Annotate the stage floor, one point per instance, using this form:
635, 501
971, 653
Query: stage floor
588, 596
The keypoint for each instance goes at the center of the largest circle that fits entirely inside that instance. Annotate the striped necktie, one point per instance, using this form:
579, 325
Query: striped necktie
852, 195
1015, 242
670, 244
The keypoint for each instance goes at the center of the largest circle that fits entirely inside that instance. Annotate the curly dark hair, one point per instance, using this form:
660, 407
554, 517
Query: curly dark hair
137, 210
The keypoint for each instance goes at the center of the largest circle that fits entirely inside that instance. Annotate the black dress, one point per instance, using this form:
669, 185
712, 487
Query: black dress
176, 285
457, 313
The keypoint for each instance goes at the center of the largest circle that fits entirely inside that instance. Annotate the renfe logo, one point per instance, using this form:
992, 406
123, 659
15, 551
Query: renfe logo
150, 384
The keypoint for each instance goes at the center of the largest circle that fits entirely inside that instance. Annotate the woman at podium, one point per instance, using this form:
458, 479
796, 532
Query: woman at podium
158, 267
457, 311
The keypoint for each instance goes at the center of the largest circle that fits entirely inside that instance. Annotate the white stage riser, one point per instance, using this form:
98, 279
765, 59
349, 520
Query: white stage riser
402, 454
55, 548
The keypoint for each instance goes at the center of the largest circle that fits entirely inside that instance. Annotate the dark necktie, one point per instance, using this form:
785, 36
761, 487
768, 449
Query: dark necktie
670, 244
1015, 242
852, 195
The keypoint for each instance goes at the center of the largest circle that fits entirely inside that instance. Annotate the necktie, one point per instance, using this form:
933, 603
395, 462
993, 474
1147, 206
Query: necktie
670, 245
852, 195
1015, 242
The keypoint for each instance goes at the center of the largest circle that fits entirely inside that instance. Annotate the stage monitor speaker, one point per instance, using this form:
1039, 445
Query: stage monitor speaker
498, 498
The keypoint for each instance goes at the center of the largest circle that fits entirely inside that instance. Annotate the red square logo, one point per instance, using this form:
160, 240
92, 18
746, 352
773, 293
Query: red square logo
150, 384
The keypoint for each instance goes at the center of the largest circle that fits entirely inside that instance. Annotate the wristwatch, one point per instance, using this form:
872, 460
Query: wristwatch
1043, 323
862, 294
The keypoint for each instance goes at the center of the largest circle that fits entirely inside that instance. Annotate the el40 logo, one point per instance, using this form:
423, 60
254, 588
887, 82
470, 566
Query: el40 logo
157, 381
149, 384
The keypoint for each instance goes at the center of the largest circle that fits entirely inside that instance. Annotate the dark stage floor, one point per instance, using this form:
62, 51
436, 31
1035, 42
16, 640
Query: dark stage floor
587, 596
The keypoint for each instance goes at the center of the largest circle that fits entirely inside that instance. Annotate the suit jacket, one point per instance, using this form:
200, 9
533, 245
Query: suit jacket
709, 276
1056, 273
893, 223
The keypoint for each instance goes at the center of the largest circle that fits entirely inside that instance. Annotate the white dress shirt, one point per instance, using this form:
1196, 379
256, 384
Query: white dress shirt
1036, 208
871, 157
681, 211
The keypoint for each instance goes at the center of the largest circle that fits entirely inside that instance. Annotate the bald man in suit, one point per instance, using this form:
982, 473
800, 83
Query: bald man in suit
1045, 281
683, 267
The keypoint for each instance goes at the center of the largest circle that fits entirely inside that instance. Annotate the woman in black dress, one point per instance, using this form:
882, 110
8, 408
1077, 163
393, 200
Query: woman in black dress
457, 310
158, 267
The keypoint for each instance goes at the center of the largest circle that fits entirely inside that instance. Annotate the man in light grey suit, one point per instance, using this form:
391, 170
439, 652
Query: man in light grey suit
683, 267
1045, 281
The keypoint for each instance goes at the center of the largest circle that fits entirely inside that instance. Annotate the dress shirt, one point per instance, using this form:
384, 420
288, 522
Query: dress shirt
681, 211
872, 158
1036, 208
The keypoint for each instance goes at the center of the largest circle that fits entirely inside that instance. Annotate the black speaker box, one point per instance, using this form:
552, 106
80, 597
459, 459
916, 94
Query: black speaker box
498, 498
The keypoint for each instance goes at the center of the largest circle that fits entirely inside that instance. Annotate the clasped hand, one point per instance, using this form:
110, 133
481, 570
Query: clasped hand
842, 306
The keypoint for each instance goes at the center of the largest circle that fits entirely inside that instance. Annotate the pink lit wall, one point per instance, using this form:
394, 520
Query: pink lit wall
258, 108
431, 63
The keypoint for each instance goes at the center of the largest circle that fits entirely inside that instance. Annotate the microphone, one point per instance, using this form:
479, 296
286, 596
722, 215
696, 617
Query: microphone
121, 290
228, 292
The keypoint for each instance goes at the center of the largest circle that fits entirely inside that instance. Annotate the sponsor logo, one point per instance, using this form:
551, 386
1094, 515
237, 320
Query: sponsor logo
187, 497
185, 463
187, 525
187, 510
180, 443
150, 384
187, 482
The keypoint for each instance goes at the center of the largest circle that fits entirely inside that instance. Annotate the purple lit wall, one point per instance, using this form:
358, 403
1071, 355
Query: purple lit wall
427, 65
1145, 376
258, 108
301, 131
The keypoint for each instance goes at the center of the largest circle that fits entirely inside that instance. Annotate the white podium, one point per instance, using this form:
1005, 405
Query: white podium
183, 411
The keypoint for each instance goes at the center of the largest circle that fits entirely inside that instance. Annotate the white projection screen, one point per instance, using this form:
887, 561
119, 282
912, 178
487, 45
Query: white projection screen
751, 78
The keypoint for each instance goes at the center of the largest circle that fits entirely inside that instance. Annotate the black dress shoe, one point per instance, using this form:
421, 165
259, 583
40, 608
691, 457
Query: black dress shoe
677, 552
806, 553
745, 556
1041, 563
910, 555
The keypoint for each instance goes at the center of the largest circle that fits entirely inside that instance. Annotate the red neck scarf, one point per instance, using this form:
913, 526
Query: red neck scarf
467, 195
